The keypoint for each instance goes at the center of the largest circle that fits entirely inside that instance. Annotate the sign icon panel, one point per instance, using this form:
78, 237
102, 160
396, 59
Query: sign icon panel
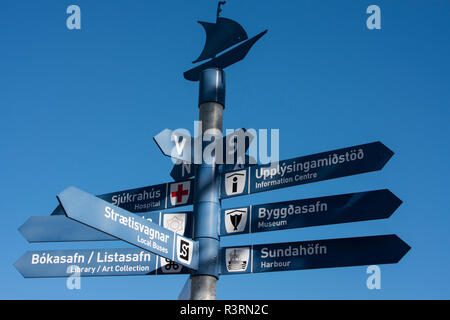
169, 266
235, 182
236, 220
184, 250
175, 222
179, 193
237, 259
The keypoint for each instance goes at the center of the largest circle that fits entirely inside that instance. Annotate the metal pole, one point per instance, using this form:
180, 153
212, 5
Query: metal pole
207, 202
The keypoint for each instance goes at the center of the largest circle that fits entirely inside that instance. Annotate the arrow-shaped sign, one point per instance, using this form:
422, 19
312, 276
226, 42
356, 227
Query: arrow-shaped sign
330, 253
183, 170
103, 216
94, 263
234, 157
178, 145
151, 198
351, 207
59, 228
317, 167
239, 164
234, 260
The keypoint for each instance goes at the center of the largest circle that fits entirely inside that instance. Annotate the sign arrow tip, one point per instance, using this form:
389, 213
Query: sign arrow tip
18, 265
64, 198
392, 202
402, 247
23, 229
385, 153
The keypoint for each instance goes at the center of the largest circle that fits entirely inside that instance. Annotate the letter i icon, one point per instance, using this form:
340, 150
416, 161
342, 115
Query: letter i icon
235, 184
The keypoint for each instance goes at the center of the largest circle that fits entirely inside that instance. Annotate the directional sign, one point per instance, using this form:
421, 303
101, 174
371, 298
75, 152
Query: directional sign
177, 144
59, 228
331, 253
182, 171
93, 263
239, 163
302, 170
235, 145
151, 198
185, 170
99, 214
360, 206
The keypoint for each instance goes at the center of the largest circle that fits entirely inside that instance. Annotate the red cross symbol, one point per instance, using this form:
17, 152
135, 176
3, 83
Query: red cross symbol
179, 193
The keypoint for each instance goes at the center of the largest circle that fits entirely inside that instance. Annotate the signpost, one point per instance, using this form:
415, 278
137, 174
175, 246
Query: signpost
161, 240
99, 214
59, 228
330, 253
317, 167
351, 207
94, 263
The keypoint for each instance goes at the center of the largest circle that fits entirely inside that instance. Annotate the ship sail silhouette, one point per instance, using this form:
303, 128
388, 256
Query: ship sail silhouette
220, 36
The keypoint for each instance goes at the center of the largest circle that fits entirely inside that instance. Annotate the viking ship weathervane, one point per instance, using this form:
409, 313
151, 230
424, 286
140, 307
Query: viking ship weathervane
220, 36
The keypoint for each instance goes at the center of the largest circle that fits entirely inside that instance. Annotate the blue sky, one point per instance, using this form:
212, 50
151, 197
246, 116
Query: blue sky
81, 107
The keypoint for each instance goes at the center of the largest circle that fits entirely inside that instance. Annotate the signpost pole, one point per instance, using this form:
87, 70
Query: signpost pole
207, 202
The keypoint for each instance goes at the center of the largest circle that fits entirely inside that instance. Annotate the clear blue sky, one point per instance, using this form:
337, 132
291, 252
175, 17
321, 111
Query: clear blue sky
81, 107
